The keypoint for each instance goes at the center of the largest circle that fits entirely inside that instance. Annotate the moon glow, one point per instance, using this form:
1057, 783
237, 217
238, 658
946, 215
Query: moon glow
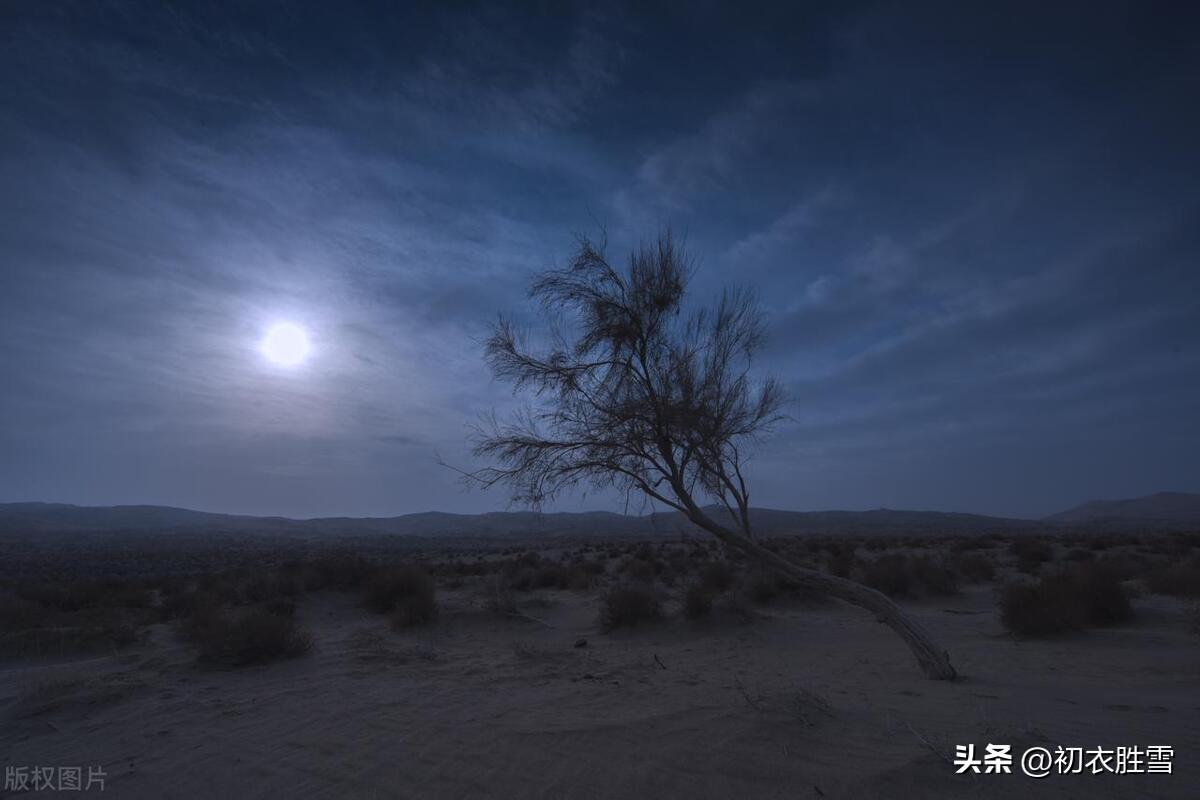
286, 344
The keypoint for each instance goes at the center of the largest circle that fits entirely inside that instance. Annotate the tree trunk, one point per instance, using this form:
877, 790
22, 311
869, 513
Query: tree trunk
934, 661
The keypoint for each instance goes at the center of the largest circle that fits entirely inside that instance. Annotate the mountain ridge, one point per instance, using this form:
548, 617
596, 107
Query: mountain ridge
1169, 509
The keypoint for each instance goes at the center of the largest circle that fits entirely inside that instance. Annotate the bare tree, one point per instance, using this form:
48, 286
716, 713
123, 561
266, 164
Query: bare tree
645, 398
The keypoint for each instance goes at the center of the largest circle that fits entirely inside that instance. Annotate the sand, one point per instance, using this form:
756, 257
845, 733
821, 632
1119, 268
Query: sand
809, 700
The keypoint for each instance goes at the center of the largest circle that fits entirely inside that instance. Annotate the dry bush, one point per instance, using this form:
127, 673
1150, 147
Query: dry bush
763, 587
521, 578
717, 576
407, 593
935, 576
965, 543
498, 596
840, 561
640, 569
1031, 553
628, 606
73, 616
267, 587
78, 595
249, 636
337, 572
697, 601
1082, 597
889, 574
1181, 579
560, 576
975, 567
593, 567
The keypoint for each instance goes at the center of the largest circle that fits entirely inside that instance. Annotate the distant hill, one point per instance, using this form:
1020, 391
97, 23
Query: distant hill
49, 518
1175, 509
1166, 510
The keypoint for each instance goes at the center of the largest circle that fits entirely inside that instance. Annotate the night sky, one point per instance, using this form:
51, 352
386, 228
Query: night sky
975, 229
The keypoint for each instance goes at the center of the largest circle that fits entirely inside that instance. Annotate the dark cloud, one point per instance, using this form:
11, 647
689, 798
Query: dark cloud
974, 231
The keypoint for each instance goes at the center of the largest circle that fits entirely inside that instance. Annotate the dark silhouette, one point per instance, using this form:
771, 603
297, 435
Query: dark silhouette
648, 399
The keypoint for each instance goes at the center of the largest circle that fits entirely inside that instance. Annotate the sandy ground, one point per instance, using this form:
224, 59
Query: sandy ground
808, 701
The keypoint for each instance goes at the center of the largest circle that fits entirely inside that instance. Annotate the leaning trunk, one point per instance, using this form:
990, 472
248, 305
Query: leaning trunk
934, 661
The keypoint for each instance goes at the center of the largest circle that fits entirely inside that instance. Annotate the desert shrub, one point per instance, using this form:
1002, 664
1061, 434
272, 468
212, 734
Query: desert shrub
270, 586
717, 576
1066, 601
1105, 600
249, 636
337, 572
520, 578
78, 595
889, 574
549, 575
18, 614
195, 610
1125, 566
935, 576
1181, 579
1031, 553
1037, 609
578, 579
593, 567
763, 587
407, 593
963, 544
28, 627
840, 561
414, 610
697, 601
121, 633
640, 569
529, 558
627, 606
975, 568
498, 596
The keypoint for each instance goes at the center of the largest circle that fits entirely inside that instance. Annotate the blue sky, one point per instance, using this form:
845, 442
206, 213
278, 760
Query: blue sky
975, 231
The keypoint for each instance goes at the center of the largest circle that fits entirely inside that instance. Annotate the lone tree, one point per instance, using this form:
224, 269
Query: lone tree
636, 394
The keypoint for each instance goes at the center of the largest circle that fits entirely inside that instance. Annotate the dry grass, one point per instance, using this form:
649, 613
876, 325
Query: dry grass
697, 601
408, 594
628, 606
1082, 597
238, 638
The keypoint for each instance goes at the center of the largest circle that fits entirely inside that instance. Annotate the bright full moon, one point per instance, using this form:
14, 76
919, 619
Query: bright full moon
285, 344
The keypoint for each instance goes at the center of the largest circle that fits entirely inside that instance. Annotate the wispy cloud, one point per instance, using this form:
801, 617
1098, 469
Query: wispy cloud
955, 260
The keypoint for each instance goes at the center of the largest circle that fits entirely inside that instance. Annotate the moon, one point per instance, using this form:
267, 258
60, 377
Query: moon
285, 343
